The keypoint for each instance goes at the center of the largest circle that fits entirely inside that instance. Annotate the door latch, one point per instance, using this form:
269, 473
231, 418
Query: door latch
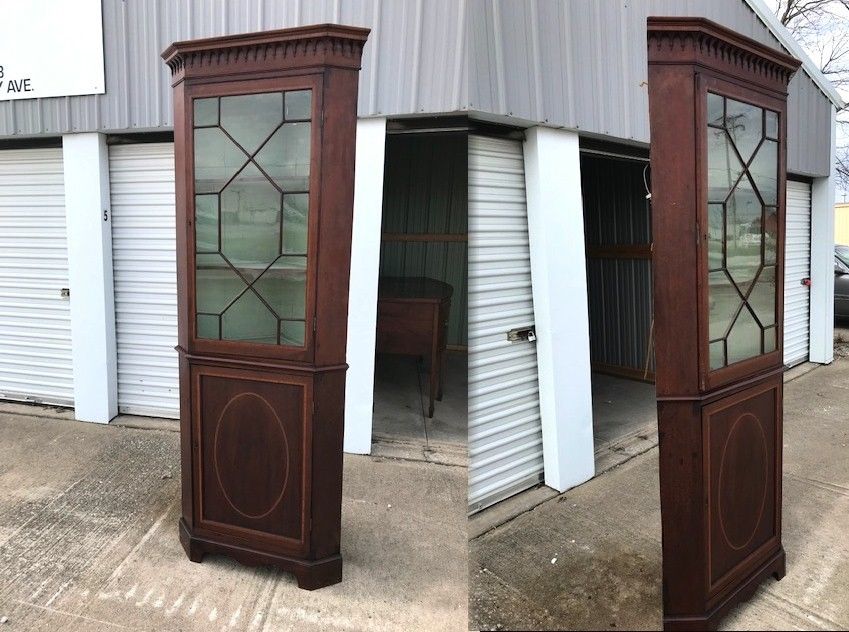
65, 292
522, 334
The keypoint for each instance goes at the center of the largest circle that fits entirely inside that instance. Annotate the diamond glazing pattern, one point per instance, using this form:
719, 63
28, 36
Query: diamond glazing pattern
252, 168
742, 146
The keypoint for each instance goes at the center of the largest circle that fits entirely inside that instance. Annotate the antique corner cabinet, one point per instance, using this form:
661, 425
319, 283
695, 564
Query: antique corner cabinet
264, 133
717, 104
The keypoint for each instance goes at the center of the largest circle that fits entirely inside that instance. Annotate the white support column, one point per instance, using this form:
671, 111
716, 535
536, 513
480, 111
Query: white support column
558, 272
362, 304
822, 262
89, 225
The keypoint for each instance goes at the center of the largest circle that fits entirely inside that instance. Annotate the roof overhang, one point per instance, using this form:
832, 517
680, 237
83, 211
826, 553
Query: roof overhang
794, 48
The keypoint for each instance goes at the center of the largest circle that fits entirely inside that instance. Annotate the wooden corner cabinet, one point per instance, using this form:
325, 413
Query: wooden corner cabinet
264, 134
718, 114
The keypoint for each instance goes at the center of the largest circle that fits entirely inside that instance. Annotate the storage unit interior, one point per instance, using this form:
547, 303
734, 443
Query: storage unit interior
615, 180
423, 236
617, 221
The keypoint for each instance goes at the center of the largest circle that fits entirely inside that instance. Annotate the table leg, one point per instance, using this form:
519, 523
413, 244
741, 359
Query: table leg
441, 372
432, 384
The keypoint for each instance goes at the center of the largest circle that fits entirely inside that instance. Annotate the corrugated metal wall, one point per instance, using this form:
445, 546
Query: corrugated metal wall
616, 213
582, 64
425, 191
579, 64
413, 62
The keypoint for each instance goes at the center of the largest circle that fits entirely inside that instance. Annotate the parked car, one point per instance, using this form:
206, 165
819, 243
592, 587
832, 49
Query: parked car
841, 281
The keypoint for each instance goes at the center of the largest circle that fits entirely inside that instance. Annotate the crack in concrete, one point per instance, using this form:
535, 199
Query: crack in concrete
73, 615
824, 485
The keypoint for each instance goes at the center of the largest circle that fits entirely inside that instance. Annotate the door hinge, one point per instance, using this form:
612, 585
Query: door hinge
314, 324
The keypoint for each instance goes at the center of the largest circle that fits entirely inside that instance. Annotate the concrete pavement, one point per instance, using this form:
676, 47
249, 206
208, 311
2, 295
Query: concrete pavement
88, 541
591, 558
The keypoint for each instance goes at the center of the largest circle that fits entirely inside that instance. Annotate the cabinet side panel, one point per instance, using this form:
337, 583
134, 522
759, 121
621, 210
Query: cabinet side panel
682, 506
327, 433
675, 259
339, 125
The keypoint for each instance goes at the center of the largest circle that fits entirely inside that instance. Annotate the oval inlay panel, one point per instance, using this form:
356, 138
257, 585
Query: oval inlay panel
743, 480
249, 425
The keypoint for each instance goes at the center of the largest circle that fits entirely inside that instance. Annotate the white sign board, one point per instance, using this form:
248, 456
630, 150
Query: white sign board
50, 48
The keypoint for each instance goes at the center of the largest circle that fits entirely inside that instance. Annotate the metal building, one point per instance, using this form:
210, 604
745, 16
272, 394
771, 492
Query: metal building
574, 233
556, 96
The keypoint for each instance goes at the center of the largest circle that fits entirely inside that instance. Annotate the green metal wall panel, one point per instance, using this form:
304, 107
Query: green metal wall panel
426, 192
616, 213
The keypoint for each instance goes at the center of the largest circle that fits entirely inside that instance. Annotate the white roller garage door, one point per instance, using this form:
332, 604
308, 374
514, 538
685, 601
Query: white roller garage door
141, 178
35, 317
505, 434
797, 267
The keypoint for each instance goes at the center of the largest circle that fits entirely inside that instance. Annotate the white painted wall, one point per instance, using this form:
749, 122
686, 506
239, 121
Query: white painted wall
822, 262
365, 264
88, 216
558, 271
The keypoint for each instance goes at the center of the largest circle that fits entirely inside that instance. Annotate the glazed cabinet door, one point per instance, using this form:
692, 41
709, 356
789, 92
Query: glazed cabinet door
717, 104
254, 208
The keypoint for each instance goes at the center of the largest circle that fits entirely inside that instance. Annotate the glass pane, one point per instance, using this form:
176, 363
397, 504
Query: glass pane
744, 341
248, 319
762, 298
295, 215
206, 111
286, 157
764, 171
715, 230
292, 332
207, 326
216, 284
724, 302
250, 222
770, 339
724, 167
206, 223
284, 287
216, 160
743, 235
717, 354
771, 124
744, 125
770, 234
715, 109
298, 105
250, 118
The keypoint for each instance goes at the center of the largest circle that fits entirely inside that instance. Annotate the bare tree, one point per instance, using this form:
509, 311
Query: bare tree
822, 28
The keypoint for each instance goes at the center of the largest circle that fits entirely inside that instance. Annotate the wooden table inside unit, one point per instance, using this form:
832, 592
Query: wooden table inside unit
412, 318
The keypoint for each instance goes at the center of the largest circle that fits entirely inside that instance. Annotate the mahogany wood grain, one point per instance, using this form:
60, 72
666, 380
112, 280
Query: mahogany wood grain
412, 319
720, 430
261, 425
